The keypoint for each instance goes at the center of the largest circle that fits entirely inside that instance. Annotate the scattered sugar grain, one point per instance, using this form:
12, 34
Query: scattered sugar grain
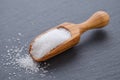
45, 71
20, 61
18, 39
6, 46
11, 49
28, 63
19, 34
8, 50
9, 40
42, 75
9, 73
9, 77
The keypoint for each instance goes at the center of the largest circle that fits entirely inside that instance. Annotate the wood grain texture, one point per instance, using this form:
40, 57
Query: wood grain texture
97, 20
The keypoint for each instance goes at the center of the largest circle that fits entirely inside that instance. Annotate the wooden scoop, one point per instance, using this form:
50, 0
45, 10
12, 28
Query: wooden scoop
97, 20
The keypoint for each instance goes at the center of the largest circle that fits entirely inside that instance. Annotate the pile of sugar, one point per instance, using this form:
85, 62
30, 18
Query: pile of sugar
18, 57
27, 63
49, 41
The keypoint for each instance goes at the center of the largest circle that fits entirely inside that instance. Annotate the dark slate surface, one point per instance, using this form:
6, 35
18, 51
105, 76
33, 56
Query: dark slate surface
96, 57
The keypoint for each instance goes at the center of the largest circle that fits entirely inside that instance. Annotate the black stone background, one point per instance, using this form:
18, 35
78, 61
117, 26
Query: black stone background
96, 57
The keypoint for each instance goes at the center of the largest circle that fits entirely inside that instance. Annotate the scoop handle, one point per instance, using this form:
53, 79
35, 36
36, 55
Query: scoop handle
97, 20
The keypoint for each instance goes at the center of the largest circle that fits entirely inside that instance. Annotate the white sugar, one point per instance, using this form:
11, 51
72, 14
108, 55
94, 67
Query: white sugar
18, 57
18, 60
48, 41
19, 34
27, 63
